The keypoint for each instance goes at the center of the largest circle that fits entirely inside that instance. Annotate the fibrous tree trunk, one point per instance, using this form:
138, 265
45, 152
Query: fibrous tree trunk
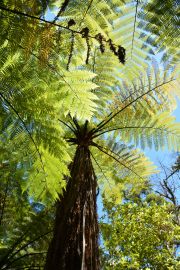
75, 240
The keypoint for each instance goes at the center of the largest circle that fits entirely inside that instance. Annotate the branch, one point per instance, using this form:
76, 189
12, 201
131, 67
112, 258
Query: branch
175, 171
169, 190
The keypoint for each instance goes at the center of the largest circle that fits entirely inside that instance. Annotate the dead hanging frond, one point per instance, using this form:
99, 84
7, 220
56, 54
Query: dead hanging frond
64, 5
112, 47
85, 34
118, 51
71, 50
101, 41
121, 53
71, 22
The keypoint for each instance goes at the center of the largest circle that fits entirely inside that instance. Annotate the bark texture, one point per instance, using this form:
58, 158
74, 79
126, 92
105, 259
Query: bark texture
75, 241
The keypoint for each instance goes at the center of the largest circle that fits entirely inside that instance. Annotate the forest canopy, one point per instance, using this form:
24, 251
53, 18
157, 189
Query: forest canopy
85, 87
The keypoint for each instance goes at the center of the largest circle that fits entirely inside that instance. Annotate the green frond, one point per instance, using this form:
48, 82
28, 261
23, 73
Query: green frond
119, 167
160, 18
159, 131
49, 182
154, 88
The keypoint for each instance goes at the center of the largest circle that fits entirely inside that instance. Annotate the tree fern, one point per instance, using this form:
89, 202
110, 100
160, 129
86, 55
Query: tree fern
65, 83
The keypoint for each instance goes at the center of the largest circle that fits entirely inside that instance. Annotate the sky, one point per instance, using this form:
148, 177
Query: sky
164, 156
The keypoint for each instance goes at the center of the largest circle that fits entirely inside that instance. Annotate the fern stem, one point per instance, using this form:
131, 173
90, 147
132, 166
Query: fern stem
134, 28
62, 9
129, 127
67, 125
17, 12
117, 160
101, 171
89, 6
132, 93
18, 241
20, 13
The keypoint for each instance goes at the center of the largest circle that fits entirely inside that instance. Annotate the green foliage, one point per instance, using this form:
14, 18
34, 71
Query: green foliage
160, 18
25, 226
142, 110
57, 70
54, 76
119, 167
140, 235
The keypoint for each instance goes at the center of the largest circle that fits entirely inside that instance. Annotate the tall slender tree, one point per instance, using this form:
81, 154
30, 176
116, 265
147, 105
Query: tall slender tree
68, 85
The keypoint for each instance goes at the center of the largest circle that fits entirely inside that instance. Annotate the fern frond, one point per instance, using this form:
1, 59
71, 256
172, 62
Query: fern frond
42, 185
76, 96
148, 92
126, 163
159, 131
161, 19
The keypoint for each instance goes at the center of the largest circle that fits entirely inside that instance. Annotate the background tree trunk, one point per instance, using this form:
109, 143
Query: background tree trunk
75, 240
